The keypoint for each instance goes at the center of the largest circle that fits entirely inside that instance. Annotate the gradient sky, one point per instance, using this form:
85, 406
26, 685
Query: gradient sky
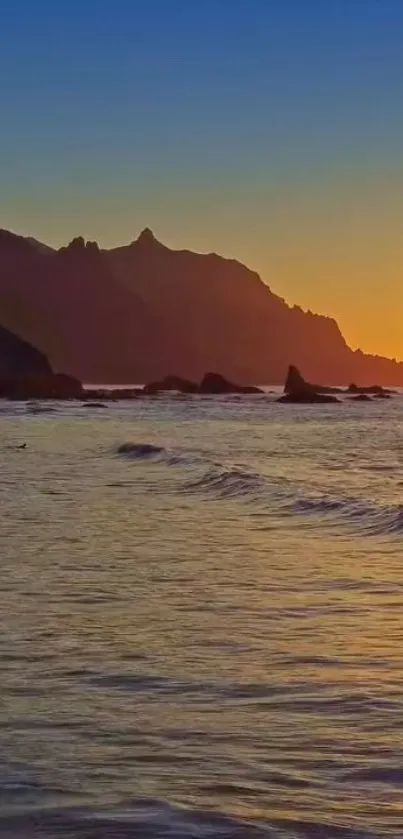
267, 130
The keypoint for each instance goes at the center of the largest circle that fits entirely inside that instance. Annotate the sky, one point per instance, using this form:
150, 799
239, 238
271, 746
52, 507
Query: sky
270, 131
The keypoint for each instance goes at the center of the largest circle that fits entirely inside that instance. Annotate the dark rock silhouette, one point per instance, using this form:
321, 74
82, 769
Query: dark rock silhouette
42, 386
211, 383
299, 397
133, 313
215, 383
297, 390
296, 383
375, 390
25, 373
19, 358
140, 450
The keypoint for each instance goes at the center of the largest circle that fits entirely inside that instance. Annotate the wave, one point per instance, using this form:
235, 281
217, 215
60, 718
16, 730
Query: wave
144, 451
40, 408
276, 495
376, 520
136, 818
226, 482
139, 451
366, 517
159, 819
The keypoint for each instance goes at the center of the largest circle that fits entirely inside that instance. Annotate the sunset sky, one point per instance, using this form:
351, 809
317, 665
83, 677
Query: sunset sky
266, 130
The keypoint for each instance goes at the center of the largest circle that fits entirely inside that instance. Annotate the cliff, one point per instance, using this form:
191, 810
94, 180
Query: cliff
18, 358
143, 311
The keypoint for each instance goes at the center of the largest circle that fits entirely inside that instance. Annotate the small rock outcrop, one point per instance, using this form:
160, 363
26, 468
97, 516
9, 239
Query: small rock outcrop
375, 390
312, 398
360, 397
298, 391
215, 383
295, 383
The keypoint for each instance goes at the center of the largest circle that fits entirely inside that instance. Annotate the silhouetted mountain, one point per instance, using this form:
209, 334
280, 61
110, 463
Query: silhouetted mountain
143, 311
40, 245
70, 303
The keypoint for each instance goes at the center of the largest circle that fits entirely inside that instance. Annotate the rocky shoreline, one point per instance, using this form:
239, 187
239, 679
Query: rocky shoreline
59, 386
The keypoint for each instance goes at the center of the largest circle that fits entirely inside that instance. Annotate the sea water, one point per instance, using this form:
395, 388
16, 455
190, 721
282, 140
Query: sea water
201, 619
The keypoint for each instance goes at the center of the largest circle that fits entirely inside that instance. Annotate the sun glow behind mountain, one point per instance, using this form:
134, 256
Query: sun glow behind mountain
271, 133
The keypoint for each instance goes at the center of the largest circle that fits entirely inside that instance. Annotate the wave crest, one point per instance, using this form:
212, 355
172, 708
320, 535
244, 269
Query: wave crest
226, 483
375, 520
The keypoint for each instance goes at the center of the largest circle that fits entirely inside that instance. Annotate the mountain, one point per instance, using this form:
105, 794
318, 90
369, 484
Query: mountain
143, 311
19, 358
70, 304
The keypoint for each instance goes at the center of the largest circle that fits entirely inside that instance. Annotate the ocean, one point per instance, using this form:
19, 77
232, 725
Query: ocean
201, 620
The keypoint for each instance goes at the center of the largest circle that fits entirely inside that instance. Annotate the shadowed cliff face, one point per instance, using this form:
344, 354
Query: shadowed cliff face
143, 311
19, 358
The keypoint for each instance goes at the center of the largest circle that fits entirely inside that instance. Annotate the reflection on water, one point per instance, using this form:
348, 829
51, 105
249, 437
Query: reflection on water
201, 637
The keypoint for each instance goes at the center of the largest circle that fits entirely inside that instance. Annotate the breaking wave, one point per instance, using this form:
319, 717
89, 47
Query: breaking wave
227, 482
375, 520
357, 514
201, 476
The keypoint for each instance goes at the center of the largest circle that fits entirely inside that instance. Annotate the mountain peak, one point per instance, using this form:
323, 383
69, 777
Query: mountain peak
79, 245
146, 236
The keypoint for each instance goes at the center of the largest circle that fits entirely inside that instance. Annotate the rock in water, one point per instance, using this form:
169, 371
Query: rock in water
212, 383
295, 383
308, 398
375, 390
215, 383
297, 390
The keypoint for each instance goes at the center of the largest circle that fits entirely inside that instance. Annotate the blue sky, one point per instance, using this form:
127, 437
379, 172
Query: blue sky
270, 131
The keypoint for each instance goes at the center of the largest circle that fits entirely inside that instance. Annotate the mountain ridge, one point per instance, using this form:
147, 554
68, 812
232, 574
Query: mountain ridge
143, 310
